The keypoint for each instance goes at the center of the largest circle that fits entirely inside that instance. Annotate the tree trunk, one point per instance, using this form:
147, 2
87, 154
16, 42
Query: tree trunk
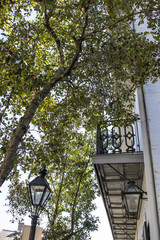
22, 128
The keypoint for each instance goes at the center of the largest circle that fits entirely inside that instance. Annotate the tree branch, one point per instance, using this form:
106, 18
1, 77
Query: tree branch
22, 128
58, 198
7, 105
132, 14
121, 19
72, 234
54, 35
75, 199
78, 43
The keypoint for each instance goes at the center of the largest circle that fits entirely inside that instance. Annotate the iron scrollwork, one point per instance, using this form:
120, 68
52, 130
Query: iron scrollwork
129, 138
116, 139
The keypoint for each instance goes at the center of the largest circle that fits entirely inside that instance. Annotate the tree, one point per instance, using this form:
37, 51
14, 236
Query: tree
70, 211
73, 185
81, 57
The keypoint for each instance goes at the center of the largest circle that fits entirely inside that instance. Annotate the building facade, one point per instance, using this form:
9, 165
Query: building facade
132, 154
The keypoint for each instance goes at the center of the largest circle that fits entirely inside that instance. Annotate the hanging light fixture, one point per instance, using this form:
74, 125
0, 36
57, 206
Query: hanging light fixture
132, 198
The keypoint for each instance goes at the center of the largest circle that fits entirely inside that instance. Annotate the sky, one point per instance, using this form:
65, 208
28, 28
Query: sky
103, 233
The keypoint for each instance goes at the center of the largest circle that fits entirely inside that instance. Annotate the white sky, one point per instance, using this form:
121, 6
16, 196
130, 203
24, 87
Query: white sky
104, 232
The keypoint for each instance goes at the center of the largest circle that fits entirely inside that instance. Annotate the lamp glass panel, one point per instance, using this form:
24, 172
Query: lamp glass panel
46, 194
132, 201
37, 193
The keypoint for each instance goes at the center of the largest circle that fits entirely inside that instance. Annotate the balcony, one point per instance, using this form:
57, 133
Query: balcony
117, 139
119, 159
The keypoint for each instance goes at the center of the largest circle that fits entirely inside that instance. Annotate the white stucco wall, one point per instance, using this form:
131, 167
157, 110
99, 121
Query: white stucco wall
143, 214
152, 99
149, 107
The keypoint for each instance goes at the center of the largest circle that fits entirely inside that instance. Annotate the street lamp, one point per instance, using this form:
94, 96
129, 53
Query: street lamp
39, 192
132, 197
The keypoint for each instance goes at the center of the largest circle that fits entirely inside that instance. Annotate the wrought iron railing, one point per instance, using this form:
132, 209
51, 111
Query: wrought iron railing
117, 139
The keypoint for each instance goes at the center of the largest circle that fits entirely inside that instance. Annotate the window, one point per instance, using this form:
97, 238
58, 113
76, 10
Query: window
146, 231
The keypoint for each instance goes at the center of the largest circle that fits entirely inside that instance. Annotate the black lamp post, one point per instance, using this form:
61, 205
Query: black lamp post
39, 192
132, 197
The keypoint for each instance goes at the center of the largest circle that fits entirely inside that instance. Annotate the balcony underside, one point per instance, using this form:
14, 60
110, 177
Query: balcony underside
110, 169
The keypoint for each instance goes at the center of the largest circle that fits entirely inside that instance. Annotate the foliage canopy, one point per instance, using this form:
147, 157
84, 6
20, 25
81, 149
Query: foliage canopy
70, 63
